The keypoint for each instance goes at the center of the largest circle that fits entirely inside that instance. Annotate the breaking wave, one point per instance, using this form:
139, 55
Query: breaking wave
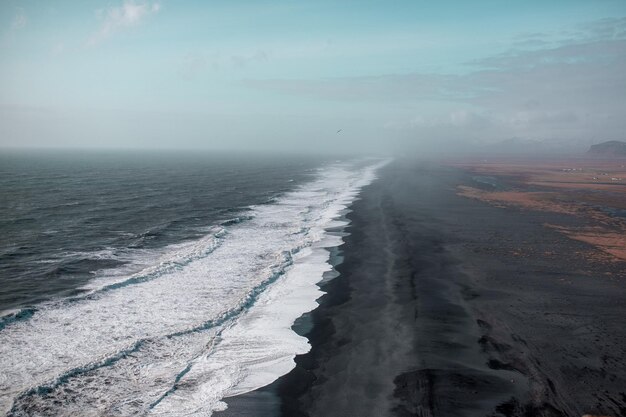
208, 320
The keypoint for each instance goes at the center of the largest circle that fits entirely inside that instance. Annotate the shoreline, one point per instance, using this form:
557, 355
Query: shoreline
267, 401
448, 306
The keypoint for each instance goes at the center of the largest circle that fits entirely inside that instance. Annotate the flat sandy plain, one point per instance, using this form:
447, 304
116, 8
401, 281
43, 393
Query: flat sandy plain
469, 288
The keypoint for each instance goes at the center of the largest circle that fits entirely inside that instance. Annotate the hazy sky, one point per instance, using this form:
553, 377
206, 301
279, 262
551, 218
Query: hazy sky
259, 74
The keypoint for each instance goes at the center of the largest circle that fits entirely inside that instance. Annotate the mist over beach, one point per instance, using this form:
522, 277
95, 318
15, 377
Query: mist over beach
299, 209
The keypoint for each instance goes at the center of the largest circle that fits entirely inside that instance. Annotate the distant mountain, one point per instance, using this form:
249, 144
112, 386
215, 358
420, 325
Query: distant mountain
610, 148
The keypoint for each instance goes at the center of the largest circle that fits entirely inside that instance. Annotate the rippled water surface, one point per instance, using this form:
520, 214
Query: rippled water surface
158, 285
66, 217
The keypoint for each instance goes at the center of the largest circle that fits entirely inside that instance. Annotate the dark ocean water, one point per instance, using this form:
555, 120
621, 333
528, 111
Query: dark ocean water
159, 284
65, 217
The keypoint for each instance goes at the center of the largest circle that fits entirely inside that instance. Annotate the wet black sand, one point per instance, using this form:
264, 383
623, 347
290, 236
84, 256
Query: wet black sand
447, 306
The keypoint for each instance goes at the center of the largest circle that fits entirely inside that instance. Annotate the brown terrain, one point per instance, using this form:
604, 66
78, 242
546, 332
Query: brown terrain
592, 190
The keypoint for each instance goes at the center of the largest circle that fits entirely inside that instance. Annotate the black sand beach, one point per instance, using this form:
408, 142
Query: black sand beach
447, 306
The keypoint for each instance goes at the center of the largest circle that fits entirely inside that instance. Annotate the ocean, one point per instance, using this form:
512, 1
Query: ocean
157, 284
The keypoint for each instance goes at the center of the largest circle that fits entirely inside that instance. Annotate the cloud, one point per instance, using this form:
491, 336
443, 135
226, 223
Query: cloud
57, 49
129, 14
241, 61
604, 29
19, 20
14, 25
367, 88
194, 64
458, 118
571, 88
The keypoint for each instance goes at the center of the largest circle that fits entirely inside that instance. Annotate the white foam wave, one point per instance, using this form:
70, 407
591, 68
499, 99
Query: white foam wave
145, 264
213, 326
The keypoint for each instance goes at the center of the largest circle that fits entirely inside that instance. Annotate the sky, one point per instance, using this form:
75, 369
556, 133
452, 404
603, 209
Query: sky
395, 76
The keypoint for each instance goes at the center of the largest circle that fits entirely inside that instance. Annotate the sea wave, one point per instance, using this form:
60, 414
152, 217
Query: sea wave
212, 321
